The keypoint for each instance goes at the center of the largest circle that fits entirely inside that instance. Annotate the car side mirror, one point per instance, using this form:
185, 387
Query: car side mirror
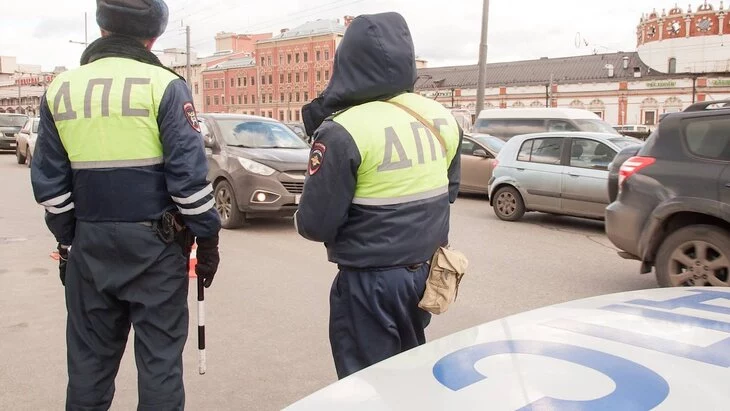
209, 141
480, 153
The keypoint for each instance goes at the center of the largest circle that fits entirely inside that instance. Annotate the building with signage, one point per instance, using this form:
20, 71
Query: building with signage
680, 59
22, 85
279, 76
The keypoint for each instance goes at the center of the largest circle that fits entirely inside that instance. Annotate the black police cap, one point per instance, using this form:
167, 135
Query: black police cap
145, 19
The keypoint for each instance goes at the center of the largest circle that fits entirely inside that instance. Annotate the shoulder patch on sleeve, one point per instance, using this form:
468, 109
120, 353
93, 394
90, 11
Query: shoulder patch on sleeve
316, 158
189, 111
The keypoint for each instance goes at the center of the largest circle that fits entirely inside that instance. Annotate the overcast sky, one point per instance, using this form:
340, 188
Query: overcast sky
445, 32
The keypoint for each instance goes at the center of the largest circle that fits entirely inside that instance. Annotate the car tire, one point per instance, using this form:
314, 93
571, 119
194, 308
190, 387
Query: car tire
21, 158
508, 204
678, 262
227, 206
30, 157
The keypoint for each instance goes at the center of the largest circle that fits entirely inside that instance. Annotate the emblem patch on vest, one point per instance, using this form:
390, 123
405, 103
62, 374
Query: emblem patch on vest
189, 111
316, 158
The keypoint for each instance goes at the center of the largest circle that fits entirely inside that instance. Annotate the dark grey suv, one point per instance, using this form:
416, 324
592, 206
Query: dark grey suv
257, 166
672, 212
10, 125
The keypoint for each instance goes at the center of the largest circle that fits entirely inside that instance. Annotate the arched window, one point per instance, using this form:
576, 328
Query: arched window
672, 65
649, 109
577, 104
672, 105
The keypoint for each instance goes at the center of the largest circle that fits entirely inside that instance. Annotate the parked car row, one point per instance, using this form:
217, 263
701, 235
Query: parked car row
17, 136
665, 201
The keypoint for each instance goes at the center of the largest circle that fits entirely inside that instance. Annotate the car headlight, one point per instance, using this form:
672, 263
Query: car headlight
256, 168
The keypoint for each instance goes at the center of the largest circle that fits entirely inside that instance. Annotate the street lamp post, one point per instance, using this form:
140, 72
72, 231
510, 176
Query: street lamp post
482, 82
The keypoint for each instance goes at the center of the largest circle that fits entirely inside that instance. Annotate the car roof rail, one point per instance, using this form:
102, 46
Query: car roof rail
707, 105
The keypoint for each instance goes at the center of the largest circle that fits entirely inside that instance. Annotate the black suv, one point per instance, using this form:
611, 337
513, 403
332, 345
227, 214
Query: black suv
673, 206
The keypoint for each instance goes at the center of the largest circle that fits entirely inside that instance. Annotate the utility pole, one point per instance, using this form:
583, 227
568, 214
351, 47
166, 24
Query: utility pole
86, 33
188, 69
482, 83
549, 92
551, 89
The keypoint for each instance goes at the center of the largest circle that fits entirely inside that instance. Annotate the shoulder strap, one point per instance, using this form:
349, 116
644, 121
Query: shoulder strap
423, 121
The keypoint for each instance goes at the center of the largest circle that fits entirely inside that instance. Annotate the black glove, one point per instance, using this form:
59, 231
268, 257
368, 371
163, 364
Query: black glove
208, 259
62, 261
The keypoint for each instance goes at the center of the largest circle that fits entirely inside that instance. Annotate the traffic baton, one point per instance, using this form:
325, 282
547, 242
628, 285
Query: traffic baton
192, 262
201, 327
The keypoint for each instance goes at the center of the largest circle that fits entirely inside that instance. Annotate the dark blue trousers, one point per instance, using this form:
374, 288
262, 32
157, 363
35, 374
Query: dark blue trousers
119, 275
374, 315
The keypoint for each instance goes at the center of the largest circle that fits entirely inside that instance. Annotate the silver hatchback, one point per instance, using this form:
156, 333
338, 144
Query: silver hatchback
560, 173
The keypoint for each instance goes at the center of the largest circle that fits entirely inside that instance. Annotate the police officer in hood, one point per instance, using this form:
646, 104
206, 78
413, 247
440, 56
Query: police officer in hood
121, 170
378, 191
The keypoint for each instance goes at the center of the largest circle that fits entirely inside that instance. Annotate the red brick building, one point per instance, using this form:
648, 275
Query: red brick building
282, 74
238, 43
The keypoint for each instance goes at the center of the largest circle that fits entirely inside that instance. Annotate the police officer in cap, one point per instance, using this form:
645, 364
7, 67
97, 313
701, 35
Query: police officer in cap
383, 170
121, 171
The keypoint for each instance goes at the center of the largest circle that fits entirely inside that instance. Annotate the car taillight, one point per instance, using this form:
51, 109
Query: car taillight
632, 166
495, 163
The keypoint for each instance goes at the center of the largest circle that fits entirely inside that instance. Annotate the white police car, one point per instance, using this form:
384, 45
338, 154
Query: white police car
664, 349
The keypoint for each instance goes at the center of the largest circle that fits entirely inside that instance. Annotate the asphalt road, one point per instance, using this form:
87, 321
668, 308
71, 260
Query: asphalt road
267, 310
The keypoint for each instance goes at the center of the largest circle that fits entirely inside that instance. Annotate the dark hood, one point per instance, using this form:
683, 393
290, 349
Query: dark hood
374, 61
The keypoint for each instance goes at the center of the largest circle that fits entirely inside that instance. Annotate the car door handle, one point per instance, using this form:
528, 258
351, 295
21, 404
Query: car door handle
520, 169
574, 175
727, 185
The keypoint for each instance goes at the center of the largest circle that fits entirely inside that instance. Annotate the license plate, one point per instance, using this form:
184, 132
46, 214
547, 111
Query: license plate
297, 198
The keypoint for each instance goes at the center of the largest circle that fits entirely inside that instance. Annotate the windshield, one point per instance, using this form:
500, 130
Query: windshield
12, 121
595, 126
622, 143
493, 143
482, 125
297, 129
259, 134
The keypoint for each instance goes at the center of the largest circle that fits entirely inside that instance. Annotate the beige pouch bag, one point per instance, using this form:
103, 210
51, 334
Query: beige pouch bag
442, 287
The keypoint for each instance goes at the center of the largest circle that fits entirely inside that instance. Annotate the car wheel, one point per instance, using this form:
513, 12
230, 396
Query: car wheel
18, 156
227, 207
697, 255
30, 158
508, 204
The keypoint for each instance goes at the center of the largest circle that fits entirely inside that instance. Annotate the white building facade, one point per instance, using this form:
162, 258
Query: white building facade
667, 73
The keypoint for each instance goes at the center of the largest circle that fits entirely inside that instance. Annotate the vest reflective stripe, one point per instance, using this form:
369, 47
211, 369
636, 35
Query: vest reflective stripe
106, 112
401, 160
401, 200
85, 165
